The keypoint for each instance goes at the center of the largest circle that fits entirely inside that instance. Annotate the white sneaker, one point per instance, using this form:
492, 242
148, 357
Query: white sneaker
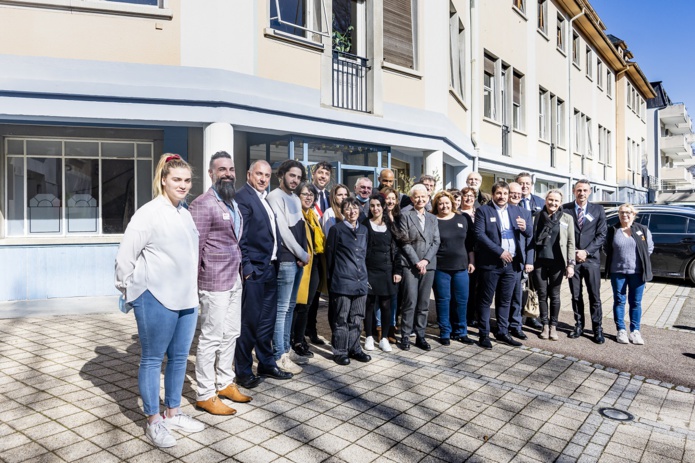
622, 337
385, 345
369, 343
159, 435
183, 422
636, 338
288, 365
298, 359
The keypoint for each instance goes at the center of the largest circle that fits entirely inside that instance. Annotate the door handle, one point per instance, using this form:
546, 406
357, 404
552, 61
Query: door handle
688, 240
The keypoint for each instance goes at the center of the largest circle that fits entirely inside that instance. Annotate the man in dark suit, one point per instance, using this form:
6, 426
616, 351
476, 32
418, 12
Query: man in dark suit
219, 223
529, 201
500, 257
589, 235
363, 190
419, 256
259, 243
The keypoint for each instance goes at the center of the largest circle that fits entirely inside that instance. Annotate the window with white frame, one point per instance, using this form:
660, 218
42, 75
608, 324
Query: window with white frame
582, 139
543, 16
544, 114
629, 95
589, 63
575, 49
599, 73
301, 18
604, 145
519, 5
518, 101
558, 134
75, 186
457, 52
400, 32
609, 83
560, 33
489, 87
629, 153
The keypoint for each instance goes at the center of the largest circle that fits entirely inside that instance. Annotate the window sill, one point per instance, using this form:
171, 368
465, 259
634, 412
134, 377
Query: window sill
492, 121
591, 79
520, 13
95, 6
561, 51
576, 65
61, 240
544, 141
543, 34
401, 70
520, 132
292, 39
458, 98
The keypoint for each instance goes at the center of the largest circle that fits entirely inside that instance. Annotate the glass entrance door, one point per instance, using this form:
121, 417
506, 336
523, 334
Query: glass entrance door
348, 174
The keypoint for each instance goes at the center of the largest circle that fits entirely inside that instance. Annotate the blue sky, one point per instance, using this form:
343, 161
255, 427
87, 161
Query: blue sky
659, 35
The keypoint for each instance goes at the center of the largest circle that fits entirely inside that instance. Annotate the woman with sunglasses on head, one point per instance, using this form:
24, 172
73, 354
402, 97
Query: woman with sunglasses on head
157, 271
332, 215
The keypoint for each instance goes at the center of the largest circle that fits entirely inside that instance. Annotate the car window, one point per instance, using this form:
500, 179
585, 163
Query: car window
643, 219
691, 226
668, 223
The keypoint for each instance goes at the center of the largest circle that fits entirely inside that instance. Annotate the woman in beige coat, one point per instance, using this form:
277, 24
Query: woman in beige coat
553, 237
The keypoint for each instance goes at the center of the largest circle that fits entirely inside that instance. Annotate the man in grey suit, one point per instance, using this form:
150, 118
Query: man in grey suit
419, 262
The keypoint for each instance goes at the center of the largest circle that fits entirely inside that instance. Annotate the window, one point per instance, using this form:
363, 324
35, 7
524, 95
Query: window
457, 55
599, 73
558, 135
519, 5
543, 115
575, 48
609, 83
560, 34
662, 223
303, 18
604, 145
583, 139
629, 95
489, 88
589, 63
543, 16
75, 186
517, 101
400, 32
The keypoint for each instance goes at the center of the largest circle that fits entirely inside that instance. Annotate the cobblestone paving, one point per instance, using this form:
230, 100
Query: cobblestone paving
68, 386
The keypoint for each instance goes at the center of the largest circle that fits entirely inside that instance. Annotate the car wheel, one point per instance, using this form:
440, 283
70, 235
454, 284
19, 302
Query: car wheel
691, 271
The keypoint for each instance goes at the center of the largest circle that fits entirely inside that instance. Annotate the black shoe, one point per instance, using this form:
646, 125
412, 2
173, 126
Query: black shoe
505, 338
360, 357
422, 344
341, 359
464, 340
534, 323
273, 372
576, 332
598, 336
303, 351
248, 382
404, 343
445, 341
484, 342
315, 340
519, 334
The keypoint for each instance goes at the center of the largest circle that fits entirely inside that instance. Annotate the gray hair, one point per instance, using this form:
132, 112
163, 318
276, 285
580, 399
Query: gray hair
416, 187
555, 191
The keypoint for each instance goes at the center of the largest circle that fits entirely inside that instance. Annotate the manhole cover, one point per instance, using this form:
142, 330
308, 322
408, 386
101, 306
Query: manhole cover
615, 414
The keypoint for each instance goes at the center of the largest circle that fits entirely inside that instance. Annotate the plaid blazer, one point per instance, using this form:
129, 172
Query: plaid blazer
219, 264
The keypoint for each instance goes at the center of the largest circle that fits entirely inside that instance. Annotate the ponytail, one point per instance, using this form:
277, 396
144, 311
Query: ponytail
167, 161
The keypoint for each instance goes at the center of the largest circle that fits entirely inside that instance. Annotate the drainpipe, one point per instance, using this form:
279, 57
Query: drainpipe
570, 108
475, 82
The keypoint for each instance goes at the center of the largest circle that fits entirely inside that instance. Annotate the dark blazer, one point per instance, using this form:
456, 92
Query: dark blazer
219, 254
592, 236
256, 241
422, 244
482, 199
536, 203
528, 242
642, 238
346, 254
488, 232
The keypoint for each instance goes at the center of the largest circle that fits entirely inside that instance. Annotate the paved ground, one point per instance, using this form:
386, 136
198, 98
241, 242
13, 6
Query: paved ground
68, 385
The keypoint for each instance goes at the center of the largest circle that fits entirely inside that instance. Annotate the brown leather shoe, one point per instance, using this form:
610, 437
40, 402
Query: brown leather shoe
232, 393
215, 406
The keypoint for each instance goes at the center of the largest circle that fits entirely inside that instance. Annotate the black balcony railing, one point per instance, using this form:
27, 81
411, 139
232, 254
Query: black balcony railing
350, 81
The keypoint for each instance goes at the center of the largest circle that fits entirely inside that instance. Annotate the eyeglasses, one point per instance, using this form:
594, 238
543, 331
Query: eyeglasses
515, 194
468, 196
625, 212
306, 195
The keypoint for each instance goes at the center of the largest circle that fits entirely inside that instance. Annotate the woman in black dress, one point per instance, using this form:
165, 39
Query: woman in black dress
383, 271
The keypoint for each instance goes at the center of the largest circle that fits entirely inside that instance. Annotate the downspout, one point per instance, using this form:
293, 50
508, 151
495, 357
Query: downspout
570, 108
475, 83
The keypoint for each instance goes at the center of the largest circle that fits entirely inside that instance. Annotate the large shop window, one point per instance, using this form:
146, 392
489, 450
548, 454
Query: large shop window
399, 32
64, 187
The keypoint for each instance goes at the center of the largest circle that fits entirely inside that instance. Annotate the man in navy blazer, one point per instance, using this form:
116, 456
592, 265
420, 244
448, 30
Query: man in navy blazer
529, 201
259, 243
500, 256
590, 231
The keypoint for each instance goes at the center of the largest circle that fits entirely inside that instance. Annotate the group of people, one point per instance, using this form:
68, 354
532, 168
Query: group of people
252, 267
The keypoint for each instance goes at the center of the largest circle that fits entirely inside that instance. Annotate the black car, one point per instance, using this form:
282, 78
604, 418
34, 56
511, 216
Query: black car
673, 232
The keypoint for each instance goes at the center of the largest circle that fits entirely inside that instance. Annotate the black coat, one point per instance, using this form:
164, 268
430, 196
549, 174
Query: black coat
346, 253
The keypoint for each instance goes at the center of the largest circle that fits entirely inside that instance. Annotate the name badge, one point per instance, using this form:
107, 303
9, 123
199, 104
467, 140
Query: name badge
493, 219
460, 225
589, 217
639, 233
563, 224
226, 216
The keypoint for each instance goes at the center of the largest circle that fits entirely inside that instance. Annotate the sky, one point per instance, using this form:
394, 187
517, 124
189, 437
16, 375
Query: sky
659, 34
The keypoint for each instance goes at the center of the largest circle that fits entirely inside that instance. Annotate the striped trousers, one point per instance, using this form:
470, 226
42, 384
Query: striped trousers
347, 323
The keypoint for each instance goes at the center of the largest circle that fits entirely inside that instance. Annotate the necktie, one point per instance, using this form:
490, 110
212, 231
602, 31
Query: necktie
580, 218
324, 201
526, 204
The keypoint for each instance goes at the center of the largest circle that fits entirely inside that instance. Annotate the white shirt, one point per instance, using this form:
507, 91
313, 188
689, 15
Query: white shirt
159, 253
508, 243
271, 216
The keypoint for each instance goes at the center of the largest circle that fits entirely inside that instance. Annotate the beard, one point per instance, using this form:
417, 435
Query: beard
225, 188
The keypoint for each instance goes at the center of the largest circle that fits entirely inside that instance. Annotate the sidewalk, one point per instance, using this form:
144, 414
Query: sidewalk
68, 386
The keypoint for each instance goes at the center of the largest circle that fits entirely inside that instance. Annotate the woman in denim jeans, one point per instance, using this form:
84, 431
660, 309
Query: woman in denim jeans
157, 271
628, 247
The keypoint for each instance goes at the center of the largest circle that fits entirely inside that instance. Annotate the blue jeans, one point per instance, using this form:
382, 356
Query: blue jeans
451, 317
162, 331
289, 277
633, 285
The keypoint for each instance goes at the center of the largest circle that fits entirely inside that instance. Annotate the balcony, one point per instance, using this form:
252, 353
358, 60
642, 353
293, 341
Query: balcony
679, 176
349, 81
676, 119
676, 147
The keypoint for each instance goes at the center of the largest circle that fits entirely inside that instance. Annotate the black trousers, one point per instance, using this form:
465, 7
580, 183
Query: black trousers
314, 302
347, 323
472, 313
301, 311
548, 282
590, 274
370, 323
499, 281
259, 307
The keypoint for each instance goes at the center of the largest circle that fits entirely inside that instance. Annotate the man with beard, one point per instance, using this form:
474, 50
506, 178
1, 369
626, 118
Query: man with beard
219, 223
475, 181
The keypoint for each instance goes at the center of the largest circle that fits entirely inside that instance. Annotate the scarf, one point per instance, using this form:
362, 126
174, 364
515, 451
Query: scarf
312, 222
547, 224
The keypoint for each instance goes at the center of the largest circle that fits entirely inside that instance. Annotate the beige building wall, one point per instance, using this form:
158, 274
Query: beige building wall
631, 126
55, 33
